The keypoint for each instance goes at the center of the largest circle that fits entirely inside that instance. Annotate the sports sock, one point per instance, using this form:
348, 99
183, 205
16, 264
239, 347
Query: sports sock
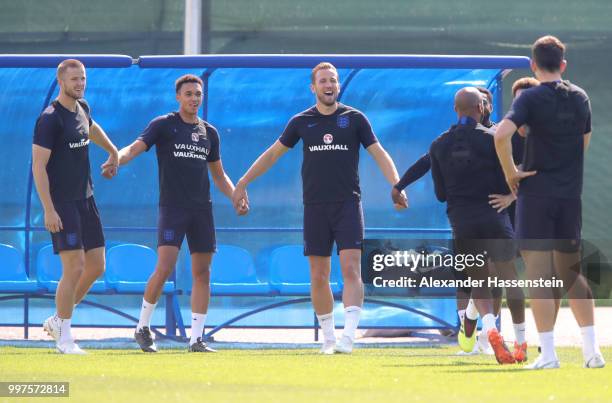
327, 326
197, 326
488, 323
145, 315
483, 342
471, 312
65, 332
519, 332
547, 346
470, 319
351, 321
590, 347
461, 314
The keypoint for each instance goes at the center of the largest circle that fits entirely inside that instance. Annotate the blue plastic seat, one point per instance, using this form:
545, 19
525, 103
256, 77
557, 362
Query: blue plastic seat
128, 268
13, 277
49, 272
290, 271
233, 273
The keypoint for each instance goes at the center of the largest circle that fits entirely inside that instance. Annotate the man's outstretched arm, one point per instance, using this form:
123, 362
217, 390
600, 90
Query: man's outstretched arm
387, 167
261, 165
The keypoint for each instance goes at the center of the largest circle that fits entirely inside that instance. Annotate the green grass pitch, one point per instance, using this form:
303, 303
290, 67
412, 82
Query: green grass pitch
389, 374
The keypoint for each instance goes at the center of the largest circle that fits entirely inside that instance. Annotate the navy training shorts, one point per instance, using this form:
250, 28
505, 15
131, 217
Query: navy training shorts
197, 224
82, 228
325, 223
548, 223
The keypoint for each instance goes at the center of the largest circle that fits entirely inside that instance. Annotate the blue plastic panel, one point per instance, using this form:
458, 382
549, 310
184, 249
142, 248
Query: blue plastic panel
408, 100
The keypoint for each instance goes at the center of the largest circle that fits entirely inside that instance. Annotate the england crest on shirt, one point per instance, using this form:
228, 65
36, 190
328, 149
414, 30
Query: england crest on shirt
195, 137
343, 121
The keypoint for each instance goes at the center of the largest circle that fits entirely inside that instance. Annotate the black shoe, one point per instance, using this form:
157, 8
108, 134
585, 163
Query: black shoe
145, 341
200, 347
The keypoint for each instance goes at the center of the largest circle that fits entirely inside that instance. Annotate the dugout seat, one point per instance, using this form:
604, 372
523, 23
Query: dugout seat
13, 277
233, 273
49, 272
128, 268
290, 271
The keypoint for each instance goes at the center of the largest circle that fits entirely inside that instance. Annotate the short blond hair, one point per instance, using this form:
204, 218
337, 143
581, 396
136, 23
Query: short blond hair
66, 64
321, 66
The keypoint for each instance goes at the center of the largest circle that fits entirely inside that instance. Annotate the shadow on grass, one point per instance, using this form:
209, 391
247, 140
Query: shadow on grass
498, 368
450, 364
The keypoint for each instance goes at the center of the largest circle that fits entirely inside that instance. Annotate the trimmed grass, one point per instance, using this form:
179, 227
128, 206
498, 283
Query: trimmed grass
391, 374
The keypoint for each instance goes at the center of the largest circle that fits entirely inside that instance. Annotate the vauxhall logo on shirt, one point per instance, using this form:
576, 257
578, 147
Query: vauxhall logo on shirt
184, 149
190, 151
328, 145
78, 144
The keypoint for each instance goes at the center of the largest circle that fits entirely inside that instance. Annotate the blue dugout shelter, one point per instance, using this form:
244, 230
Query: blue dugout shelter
249, 98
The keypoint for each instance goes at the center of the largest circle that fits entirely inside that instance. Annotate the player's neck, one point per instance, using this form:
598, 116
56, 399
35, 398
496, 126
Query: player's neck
326, 109
548, 77
67, 102
467, 117
188, 118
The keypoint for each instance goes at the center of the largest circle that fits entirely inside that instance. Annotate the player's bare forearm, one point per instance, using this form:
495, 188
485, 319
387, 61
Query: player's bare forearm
130, 152
220, 178
41, 181
99, 137
587, 141
40, 158
262, 164
384, 162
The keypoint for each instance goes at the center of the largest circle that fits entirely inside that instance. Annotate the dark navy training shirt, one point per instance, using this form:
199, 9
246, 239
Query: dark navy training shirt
183, 151
417, 170
518, 148
558, 115
66, 134
465, 169
331, 152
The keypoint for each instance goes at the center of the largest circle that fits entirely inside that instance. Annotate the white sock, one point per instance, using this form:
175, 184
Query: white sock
488, 323
197, 326
471, 312
519, 332
145, 315
483, 341
351, 321
327, 326
547, 346
590, 347
65, 332
461, 314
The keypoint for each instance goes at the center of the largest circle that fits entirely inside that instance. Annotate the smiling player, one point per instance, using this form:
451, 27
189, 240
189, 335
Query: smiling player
332, 134
187, 148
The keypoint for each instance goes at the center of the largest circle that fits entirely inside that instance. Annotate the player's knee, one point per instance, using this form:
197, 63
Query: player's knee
351, 272
202, 275
515, 294
163, 271
319, 278
73, 264
98, 270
